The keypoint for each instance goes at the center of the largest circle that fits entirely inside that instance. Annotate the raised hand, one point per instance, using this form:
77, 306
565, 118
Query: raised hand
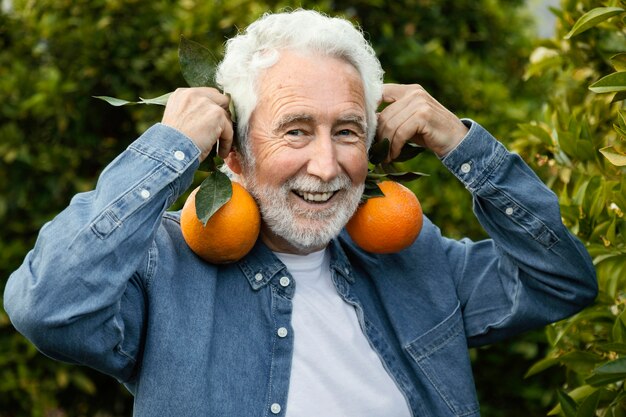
414, 115
201, 114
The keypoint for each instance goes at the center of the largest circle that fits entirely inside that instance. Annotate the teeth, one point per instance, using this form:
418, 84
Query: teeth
317, 197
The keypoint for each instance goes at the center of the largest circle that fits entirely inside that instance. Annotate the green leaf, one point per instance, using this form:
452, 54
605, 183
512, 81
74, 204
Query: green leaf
621, 120
541, 366
197, 63
615, 155
372, 190
588, 407
577, 394
396, 176
580, 362
214, 192
568, 405
593, 18
619, 61
379, 151
619, 96
610, 84
115, 101
619, 348
619, 129
409, 151
537, 131
160, 100
619, 327
610, 372
208, 165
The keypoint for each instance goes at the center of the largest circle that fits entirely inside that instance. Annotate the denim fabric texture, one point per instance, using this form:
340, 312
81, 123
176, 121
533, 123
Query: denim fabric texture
112, 285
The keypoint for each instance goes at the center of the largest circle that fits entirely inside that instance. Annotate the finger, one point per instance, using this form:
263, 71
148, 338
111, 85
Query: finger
401, 124
390, 119
213, 94
405, 132
394, 92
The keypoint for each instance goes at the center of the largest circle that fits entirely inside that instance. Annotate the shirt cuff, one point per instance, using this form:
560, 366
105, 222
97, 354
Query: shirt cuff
475, 157
168, 146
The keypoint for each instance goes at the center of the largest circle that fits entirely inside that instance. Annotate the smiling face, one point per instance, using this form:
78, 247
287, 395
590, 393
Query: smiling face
308, 142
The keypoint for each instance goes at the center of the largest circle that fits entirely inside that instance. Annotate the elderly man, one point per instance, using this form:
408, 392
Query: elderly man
307, 324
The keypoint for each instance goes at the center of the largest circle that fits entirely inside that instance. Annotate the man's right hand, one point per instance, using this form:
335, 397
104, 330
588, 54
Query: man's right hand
201, 114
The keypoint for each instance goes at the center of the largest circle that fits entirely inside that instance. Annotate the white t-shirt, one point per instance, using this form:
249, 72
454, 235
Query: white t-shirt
335, 372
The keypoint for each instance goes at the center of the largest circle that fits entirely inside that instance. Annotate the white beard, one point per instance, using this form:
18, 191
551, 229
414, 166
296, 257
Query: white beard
305, 229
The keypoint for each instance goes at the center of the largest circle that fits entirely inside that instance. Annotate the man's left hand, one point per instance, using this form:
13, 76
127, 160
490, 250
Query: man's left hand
414, 115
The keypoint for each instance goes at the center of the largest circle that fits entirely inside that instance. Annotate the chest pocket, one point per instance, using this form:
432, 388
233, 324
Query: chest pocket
441, 357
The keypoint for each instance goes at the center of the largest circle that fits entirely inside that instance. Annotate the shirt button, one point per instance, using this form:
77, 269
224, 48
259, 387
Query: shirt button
509, 211
145, 194
465, 168
275, 408
258, 277
180, 155
282, 332
284, 281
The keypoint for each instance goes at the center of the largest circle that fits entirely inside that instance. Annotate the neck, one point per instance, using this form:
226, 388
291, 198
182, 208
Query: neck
279, 244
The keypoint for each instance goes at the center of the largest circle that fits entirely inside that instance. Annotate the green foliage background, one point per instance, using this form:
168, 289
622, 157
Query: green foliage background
473, 55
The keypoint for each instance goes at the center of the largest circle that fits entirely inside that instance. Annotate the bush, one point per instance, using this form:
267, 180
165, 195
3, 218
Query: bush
578, 146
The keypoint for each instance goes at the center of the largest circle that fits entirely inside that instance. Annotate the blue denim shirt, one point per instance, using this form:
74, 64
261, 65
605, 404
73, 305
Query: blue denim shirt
112, 285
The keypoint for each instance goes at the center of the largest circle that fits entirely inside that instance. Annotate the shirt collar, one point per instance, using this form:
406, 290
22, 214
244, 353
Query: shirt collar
261, 265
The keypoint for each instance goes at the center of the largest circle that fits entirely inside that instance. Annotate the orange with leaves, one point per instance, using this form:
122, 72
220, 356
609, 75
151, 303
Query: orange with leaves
387, 224
230, 232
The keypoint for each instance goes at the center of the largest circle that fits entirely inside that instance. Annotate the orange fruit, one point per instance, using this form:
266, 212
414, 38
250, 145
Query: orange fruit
387, 224
229, 234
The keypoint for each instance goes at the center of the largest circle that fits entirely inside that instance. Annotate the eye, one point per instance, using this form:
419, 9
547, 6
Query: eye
347, 136
345, 132
295, 132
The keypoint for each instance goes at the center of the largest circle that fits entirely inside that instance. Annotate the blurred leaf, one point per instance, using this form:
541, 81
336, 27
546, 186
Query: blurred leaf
115, 101
580, 362
214, 192
610, 372
83, 383
593, 18
615, 155
619, 348
611, 83
197, 63
538, 132
619, 96
619, 61
619, 328
577, 394
541, 366
588, 407
568, 405
161, 100
620, 129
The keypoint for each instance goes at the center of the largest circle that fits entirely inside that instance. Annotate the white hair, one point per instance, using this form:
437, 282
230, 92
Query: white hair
306, 31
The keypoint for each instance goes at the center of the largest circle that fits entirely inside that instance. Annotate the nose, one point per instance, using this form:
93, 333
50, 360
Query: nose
323, 159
